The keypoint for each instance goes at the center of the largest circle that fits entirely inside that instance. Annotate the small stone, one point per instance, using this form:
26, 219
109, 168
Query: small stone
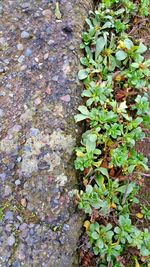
17, 182
65, 98
16, 264
34, 131
20, 47
25, 35
19, 218
71, 47
48, 29
28, 52
66, 227
23, 67
24, 202
1, 10
7, 190
11, 240
9, 215
19, 159
46, 56
23, 226
47, 13
9, 227
37, 101
25, 5
3, 176
1, 113
21, 58
2, 70
48, 91
55, 78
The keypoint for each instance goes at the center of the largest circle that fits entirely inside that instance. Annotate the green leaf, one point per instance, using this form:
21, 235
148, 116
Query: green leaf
80, 117
104, 171
99, 243
106, 25
83, 74
121, 55
89, 189
100, 43
95, 235
128, 43
141, 49
83, 110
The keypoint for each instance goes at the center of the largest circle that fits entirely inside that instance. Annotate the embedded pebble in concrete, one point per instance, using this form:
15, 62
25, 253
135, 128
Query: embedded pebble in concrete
39, 95
25, 35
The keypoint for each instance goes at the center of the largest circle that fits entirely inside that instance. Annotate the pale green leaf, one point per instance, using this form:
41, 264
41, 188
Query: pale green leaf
100, 43
121, 55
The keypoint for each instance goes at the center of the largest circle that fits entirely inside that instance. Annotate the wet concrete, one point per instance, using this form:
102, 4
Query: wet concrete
38, 97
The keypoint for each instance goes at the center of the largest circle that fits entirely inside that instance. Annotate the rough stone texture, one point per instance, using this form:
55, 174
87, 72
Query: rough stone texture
38, 98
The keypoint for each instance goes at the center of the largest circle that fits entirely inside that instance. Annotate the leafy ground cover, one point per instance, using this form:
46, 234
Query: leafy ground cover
116, 113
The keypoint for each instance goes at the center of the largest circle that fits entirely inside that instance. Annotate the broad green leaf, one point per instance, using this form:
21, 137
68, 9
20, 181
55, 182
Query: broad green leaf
141, 49
135, 65
83, 74
83, 110
121, 55
100, 43
104, 171
126, 188
108, 24
87, 93
80, 117
128, 43
95, 235
89, 189
99, 243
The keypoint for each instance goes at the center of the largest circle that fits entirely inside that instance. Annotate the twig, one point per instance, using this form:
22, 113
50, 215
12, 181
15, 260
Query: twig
143, 174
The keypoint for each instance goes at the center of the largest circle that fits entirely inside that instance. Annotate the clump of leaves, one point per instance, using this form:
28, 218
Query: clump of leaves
116, 82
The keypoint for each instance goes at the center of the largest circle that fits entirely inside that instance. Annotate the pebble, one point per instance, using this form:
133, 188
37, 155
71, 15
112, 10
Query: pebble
48, 91
55, 78
16, 264
9, 215
7, 190
25, 35
17, 182
1, 113
28, 52
21, 58
46, 56
11, 240
34, 131
66, 227
20, 47
24, 202
1, 9
3, 176
48, 29
65, 98
37, 101
2, 70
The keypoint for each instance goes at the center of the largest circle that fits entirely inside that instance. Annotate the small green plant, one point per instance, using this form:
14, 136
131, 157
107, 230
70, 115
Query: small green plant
146, 212
115, 75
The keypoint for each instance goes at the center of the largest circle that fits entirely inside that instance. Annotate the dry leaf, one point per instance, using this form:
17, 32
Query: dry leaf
139, 215
86, 225
57, 11
137, 263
